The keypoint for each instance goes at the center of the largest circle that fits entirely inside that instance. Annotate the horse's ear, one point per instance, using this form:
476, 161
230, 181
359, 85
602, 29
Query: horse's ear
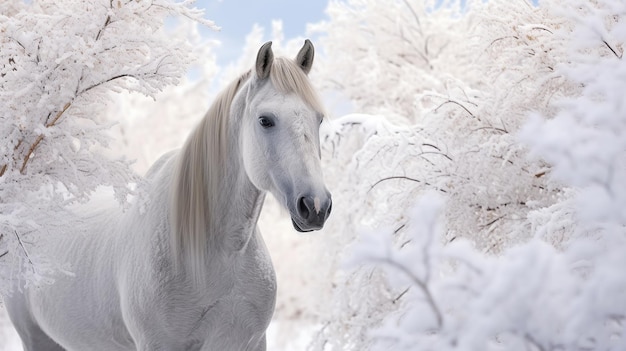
305, 56
264, 60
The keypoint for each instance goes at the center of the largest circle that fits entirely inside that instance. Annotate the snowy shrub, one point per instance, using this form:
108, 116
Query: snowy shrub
525, 243
59, 62
531, 297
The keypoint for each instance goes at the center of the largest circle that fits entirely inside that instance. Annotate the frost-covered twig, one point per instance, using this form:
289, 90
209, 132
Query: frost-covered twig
450, 101
401, 177
619, 56
421, 284
394, 177
6, 251
21, 244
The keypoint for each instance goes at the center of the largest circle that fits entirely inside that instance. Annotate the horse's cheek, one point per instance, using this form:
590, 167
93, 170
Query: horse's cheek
253, 163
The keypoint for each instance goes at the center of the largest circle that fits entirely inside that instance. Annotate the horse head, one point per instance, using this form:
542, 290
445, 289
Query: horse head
281, 146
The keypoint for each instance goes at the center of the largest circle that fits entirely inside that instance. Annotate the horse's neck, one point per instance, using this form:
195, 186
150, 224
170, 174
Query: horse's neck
234, 221
240, 207
238, 202
212, 202
236, 216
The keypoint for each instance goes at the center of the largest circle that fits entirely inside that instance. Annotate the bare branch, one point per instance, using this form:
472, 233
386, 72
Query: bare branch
30, 152
106, 23
107, 80
542, 28
418, 282
492, 222
402, 177
37, 141
502, 38
612, 50
435, 153
7, 251
417, 19
449, 101
395, 300
394, 177
58, 115
399, 228
4, 167
19, 241
501, 130
18, 43
431, 145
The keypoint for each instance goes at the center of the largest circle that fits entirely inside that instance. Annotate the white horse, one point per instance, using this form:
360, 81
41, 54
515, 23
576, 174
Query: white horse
186, 268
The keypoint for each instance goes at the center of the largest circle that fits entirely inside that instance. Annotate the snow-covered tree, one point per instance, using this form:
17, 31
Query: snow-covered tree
520, 251
147, 126
59, 62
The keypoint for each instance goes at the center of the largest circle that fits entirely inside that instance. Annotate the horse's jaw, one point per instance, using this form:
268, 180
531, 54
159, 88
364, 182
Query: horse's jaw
299, 229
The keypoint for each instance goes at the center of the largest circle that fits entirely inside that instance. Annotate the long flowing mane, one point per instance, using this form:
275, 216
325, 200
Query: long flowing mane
202, 162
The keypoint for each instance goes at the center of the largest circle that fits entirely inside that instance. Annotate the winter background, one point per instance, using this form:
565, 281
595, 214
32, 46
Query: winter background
475, 150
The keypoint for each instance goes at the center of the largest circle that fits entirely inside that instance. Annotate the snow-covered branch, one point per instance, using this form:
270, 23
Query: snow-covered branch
60, 62
531, 228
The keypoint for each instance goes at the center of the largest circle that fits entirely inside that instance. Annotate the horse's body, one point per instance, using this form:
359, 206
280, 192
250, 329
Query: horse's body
186, 268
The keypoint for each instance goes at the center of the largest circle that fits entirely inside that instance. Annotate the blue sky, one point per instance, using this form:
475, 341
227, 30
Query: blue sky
237, 17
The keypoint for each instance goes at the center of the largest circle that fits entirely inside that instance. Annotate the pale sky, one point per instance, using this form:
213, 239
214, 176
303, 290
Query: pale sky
237, 17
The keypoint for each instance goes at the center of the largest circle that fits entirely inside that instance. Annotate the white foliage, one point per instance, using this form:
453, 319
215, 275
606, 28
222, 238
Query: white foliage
396, 48
532, 296
149, 127
527, 244
59, 62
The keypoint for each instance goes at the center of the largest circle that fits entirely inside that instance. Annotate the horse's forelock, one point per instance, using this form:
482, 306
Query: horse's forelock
288, 77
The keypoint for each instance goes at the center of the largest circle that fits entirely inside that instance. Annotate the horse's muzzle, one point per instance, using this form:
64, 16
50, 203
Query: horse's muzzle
312, 212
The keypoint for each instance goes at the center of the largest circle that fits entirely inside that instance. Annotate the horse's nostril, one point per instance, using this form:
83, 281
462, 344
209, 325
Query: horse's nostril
303, 208
330, 207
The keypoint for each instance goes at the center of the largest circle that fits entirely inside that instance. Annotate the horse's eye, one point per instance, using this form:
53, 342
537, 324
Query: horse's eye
266, 122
